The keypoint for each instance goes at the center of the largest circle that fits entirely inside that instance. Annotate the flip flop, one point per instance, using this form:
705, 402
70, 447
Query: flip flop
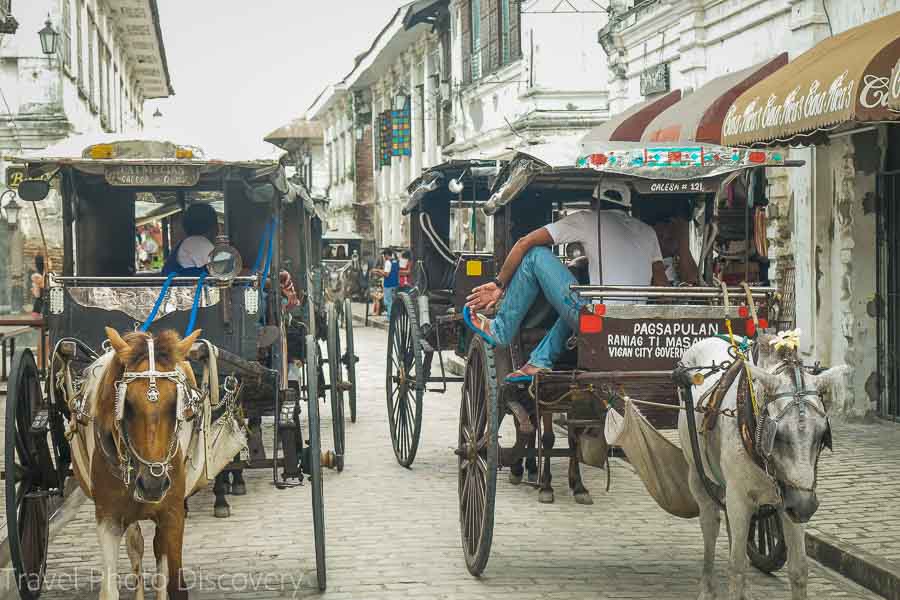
518, 376
467, 319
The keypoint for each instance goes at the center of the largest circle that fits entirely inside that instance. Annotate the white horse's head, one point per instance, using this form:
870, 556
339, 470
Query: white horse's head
793, 426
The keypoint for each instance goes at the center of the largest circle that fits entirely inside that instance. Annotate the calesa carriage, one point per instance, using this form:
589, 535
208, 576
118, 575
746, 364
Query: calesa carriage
252, 360
427, 318
629, 339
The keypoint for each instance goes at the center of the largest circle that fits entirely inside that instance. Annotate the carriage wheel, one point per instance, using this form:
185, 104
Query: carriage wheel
478, 451
315, 475
349, 359
405, 383
333, 341
27, 503
765, 544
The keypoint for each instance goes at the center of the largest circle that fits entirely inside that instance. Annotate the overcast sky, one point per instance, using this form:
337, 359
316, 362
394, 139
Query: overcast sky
241, 69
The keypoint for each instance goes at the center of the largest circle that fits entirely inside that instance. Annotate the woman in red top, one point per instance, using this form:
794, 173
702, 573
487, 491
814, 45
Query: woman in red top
406, 266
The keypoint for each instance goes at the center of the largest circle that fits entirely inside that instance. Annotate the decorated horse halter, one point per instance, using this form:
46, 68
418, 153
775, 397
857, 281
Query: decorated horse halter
188, 402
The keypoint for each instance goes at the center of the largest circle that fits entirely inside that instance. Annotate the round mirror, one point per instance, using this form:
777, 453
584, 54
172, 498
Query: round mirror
224, 262
33, 190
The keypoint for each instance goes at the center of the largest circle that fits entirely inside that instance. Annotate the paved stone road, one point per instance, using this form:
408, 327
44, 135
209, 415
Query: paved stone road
393, 533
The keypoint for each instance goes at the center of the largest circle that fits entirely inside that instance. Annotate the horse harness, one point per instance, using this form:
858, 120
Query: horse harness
123, 454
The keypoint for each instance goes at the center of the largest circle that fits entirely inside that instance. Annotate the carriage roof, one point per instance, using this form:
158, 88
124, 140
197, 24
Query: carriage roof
433, 182
663, 168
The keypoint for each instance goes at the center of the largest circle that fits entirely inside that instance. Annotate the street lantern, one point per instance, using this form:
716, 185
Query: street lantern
400, 101
12, 209
49, 38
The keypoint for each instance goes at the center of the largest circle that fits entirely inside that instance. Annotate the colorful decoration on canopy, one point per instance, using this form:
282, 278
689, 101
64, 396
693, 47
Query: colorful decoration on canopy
673, 157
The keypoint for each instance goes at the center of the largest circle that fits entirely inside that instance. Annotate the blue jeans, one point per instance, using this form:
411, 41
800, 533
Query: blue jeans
542, 271
389, 300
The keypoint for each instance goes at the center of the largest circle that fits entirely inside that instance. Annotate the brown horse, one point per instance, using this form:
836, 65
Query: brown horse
137, 468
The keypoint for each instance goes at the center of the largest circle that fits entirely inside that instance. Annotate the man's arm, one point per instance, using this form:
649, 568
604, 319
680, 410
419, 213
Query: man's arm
487, 295
687, 266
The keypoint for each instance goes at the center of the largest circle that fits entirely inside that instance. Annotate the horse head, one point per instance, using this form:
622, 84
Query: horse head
793, 425
145, 401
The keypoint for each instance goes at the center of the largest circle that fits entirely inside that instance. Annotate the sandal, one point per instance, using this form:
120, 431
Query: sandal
482, 327
519, 376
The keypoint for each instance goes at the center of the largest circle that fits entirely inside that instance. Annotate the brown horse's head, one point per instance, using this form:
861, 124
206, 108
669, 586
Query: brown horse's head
146, 420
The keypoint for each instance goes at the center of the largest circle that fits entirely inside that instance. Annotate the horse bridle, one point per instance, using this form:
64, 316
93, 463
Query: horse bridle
188, 401
774, 409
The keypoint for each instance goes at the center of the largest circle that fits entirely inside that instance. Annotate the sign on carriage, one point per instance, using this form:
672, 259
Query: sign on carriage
153, 175
668, 186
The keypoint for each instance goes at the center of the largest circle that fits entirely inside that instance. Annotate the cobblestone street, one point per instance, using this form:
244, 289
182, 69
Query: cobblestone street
393, 532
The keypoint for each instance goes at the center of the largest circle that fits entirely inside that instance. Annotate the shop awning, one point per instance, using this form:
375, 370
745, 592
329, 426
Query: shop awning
841, 80
698, 117
629, 125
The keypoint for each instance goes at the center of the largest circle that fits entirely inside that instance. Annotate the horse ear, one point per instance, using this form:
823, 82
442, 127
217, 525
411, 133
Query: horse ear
184, 346
769, 381
832, 383
119, 345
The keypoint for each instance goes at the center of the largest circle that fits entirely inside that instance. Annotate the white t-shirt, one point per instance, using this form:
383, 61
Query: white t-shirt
630, 246
194, 251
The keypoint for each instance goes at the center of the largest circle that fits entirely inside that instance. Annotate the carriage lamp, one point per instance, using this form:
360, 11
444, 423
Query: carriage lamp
12, 210
49, 38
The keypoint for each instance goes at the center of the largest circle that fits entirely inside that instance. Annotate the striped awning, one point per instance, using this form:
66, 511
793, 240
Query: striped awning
844, 79
698, 117
629, 125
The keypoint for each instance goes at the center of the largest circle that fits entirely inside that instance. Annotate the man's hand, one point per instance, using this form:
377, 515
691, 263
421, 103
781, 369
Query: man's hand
484, 297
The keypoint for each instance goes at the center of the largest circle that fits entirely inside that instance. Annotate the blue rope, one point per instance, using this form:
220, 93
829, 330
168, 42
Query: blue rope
265, 276
196, 305
159, 301
267, 234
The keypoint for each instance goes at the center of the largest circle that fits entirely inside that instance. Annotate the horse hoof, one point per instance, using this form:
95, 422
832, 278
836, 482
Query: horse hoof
238, 489
532, 476
222, 512
545, 496
515, 479
584, 498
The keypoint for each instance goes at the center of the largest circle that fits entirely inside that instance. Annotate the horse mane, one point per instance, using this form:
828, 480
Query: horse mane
166, 353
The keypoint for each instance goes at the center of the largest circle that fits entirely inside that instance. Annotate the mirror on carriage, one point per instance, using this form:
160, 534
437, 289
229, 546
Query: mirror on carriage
34, 190
224, 262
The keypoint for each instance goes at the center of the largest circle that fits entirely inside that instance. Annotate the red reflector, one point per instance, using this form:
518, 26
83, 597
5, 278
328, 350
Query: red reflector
600, 309
757, 157
589, 323
743, 312
751, 328
598, 159
764, 323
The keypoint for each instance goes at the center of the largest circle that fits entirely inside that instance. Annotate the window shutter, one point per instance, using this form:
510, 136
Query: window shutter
465, 35
79, 43
494, 53
515, 29
488, 34
66, 46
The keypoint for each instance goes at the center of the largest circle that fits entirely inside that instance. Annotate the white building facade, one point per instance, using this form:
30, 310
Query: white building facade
110, 58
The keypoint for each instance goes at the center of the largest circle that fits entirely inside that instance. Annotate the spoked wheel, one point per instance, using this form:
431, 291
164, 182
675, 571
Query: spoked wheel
405, 380
333, 341
349, 358
478, 453
27, 462
315, 466
765, 544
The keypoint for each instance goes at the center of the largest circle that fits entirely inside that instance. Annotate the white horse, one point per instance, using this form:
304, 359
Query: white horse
794, 430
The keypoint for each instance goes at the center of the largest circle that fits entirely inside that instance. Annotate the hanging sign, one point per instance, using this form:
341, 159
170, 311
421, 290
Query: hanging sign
153, 175
694, 186
401, 138
385, 132
655, 79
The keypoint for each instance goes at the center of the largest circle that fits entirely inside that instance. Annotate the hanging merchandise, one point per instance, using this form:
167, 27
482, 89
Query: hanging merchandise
385, 133
400, 142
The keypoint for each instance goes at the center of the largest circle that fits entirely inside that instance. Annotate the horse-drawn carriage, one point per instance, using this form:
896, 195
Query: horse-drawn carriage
427, 318
628, 341
248, 366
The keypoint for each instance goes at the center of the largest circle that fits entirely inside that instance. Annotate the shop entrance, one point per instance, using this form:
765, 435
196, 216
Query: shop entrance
889, 293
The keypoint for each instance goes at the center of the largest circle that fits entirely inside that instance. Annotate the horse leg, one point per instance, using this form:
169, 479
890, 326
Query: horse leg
134, 545
576, 484
221, 509
517, 470
109, 533
531, 462
167, 546
739, 512
710, 521
545, 494
238, 485
797, 569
